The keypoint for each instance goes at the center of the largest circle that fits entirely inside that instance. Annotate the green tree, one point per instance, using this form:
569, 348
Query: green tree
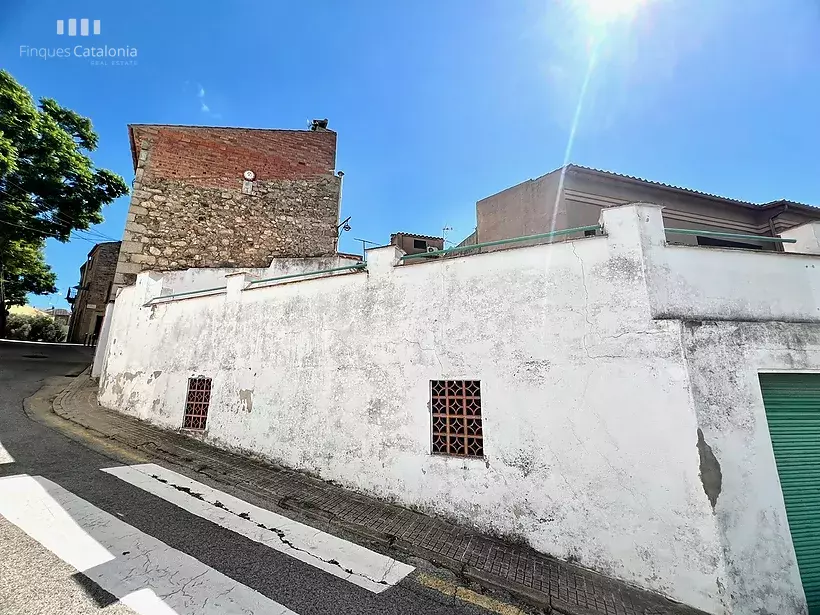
48, 186
25, 271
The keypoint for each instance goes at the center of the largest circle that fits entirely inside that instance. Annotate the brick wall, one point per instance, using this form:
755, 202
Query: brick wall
188, 208
95, 282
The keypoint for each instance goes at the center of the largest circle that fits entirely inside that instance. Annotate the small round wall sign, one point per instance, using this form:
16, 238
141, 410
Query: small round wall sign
249, 175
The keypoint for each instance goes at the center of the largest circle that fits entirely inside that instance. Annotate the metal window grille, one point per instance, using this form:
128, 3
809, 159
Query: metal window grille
456, 408
196, 405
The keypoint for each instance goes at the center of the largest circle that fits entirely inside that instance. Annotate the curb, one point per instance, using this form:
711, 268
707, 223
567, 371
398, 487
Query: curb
467, 573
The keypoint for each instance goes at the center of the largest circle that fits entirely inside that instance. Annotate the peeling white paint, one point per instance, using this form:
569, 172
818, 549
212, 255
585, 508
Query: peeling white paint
590, 415
144, 573
358, 565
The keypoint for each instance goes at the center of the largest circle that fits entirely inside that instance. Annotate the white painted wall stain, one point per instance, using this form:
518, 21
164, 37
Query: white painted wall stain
589, 418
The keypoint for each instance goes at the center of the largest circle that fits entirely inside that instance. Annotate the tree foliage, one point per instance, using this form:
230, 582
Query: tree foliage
25, 271
48, 185
36, 328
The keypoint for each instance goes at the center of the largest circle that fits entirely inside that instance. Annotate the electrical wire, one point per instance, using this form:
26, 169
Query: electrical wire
44, 233
64, 221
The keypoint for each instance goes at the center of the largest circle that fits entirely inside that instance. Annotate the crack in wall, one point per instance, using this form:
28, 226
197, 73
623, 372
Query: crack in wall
586, 299
589, 322
276, 531
433, 350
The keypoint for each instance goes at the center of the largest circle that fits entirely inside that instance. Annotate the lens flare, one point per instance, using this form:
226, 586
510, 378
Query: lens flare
610, 10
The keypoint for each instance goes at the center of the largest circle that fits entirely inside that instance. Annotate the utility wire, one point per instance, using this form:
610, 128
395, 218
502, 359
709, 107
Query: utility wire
95, 234
59, 219
46, 234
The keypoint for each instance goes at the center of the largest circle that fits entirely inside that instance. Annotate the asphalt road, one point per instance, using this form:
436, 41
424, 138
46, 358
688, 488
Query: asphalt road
75, 539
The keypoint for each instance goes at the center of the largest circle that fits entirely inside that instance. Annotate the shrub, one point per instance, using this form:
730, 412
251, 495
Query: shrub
36, 328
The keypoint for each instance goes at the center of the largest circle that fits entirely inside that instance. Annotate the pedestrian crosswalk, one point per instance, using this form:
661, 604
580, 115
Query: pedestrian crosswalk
341, 558
142, 572
152, 578
5, 456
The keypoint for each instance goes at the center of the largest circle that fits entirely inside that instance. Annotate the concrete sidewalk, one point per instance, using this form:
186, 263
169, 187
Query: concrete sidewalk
530, 577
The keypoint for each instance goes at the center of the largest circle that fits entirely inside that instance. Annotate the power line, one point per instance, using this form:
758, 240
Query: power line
41, 231
90, 232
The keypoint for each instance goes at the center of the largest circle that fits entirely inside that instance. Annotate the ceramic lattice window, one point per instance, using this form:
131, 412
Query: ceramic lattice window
197, 402
456, 408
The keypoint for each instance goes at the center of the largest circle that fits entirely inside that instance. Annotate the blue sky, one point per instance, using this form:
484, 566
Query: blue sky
438, 104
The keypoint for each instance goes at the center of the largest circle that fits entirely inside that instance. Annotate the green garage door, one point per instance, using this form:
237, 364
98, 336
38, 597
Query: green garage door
792, 403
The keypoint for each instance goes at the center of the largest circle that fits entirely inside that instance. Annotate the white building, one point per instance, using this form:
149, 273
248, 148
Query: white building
606, 396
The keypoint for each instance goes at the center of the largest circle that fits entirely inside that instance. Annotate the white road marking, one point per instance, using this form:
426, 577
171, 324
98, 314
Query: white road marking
144, 573
5, 456
354, 563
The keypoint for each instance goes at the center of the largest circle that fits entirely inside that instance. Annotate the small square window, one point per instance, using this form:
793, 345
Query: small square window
456, 424
419, 244
197, 403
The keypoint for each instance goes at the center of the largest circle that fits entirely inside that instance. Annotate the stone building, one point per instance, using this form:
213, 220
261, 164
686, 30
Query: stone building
96, 280
59, 315
228, 197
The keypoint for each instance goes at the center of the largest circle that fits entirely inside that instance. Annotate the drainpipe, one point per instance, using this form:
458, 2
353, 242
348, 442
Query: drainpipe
778, 246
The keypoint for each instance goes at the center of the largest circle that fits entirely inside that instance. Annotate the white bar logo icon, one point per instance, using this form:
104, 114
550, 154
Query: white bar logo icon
84, 27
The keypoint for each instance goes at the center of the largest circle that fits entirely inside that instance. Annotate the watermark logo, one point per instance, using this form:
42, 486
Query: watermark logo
72, 27
104, 55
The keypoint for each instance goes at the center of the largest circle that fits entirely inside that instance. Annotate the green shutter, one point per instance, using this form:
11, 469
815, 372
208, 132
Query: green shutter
792, 403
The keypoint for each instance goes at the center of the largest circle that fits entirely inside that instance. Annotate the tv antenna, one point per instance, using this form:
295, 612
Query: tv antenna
444, 234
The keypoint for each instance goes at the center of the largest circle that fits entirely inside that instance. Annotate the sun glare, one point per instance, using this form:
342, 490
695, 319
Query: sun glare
610, 10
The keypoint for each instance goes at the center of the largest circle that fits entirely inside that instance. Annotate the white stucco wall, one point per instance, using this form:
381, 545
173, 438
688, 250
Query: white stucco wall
602, 387
697, 283
590, 432
725, 359
102, 342
806, 236
193, 279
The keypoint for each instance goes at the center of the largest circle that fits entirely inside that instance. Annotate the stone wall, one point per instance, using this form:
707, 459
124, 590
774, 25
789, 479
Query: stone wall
191, 207
98, 278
